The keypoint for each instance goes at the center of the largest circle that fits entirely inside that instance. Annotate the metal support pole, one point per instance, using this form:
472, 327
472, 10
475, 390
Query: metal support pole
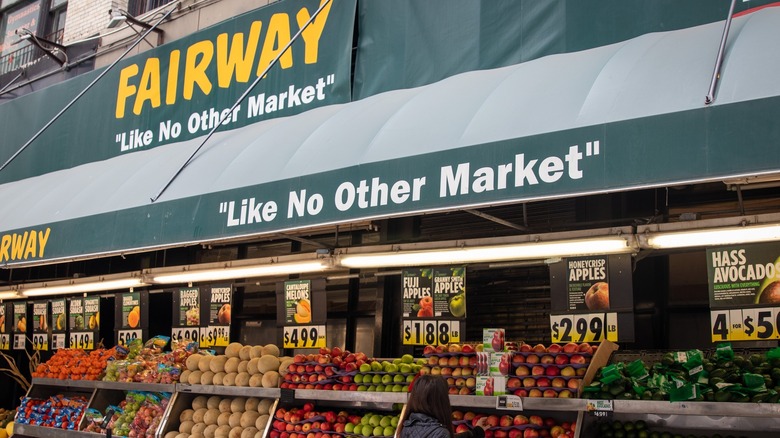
226, 114
91, 84
719, 60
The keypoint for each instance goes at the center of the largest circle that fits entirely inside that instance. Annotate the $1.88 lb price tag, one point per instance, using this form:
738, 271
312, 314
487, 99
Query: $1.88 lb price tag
759, 324
417, 332
590, 327
305, 336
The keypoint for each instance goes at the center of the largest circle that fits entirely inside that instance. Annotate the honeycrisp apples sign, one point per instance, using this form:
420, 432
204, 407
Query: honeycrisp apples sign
592, 299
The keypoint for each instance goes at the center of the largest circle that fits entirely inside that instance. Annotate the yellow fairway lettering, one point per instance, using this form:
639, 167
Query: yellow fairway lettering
149, 87
311, 35
125, 90
236, 60
173, 77
276, 38
199, 57
43, 238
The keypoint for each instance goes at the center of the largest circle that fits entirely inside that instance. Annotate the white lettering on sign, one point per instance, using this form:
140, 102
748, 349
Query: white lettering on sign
592, 269
39, 309
92, 306
459, 180
731, 266
129, 300
76, 306
220, 295
58, 307
188, 298
412, 288
296, 291
250, 211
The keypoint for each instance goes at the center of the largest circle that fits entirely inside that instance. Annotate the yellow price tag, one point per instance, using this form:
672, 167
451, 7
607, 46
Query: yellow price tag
82, 340
40, 342
305, 336
759, 324
430, 332
588, 327
5, 342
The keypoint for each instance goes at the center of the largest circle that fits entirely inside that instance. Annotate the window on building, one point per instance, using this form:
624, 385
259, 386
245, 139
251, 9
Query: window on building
55, 20
138, 7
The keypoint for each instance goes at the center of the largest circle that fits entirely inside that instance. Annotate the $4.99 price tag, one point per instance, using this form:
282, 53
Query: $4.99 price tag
82, 340
416, 332
305, 336
759, 324
590, 327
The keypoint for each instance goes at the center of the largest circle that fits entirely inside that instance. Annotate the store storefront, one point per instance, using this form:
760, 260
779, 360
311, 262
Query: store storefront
377, 166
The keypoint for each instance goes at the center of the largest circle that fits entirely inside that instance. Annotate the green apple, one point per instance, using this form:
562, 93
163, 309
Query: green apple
379, 431
405, 368
366, 419
349, 428
387, 378
376, 366
407, 358
409, 379
375, 419
396, 361
358, 378
394, 421
458, 305
389, 431
371, 388
364, 368
380, 388
362, 388
376, 379
391, 368
399, 378
385, 421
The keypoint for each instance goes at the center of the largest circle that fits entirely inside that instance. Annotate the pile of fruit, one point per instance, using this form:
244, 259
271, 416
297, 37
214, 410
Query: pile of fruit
6, 422
138, 415
223, 417
57, 411
76, 364
513, 426
455, 362
689, 375
241, 365
331, 369
305, 421
553, 371
148, 363
639, 429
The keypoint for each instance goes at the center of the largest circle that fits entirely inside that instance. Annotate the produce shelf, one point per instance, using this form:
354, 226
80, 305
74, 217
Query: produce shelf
529, 403
88, 384
233, 391
51, 432
709, 409
135, 386
351, 396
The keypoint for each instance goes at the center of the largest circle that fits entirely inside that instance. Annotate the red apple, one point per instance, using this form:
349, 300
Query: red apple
561, 359
462, 428
517, 359
573, 384
554, 348
522, 370
571, 347
530, 433
468, 415
585, 348
577, 359
492, 420
552, 371
457, 415
505, 421
539, 348
525, 348
454, 348
446, 371
467, 348
532, 359
547, 359
536, 420
499, 434
535, 392
543, 382
463, 361
537, 370
452, 361
529, 382
429, 349
515, 433
558, 382
597, 296
513, 382
550, 393
520, 420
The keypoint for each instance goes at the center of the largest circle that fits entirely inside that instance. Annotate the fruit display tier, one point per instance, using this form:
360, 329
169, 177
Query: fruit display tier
741, 418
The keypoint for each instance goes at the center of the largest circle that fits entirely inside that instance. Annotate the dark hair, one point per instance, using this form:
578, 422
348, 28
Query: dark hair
429, 396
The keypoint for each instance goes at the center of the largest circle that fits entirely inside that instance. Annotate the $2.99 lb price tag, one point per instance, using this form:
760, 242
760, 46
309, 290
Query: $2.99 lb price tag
758, 324
305, 336
416, 332
589, 327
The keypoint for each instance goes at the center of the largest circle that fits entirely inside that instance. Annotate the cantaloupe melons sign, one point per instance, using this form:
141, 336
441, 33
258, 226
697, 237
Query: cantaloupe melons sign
302, 313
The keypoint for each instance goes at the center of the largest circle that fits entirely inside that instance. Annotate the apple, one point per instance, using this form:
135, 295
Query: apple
499, 434
462, 428
556, 431
305, 427
571, 347
573, 384
543, 382
547, 359
535, 392
441, 361
558, 382
530, 433
452, 390
520, 420
585, 348
339, 427
457, 415
529, 382
522, 370
467, 348
505, 421
492, 420
436, 371
446, 371
561, 359
554, 348
471, 382
577, 359
454, 348
521, 392
526, 348
536, 420
532, 359
597, 296
517, 359
513, 382
515, 433
550, 393
468, 415
552, 371
581, 371
466, 371
539, 348
456, 372
537, 370
473, 361
452, 361
440, 349
350, 366
565, 394
464, 391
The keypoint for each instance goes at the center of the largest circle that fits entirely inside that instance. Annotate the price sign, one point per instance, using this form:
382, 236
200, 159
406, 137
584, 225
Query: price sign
511, 402
306, 336
600, 408
128, 336
755, 324
19, 342
589, 327
430, 332
214, 336
40, 342
58, 341
5, 342
82, 340
185, 334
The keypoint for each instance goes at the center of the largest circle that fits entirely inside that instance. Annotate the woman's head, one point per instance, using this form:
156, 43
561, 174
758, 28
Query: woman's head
429, 396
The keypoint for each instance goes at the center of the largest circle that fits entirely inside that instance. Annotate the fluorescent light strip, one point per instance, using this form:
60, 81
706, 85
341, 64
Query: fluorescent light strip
9, 295
96, 286
195, 276
725, 236
525, 251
